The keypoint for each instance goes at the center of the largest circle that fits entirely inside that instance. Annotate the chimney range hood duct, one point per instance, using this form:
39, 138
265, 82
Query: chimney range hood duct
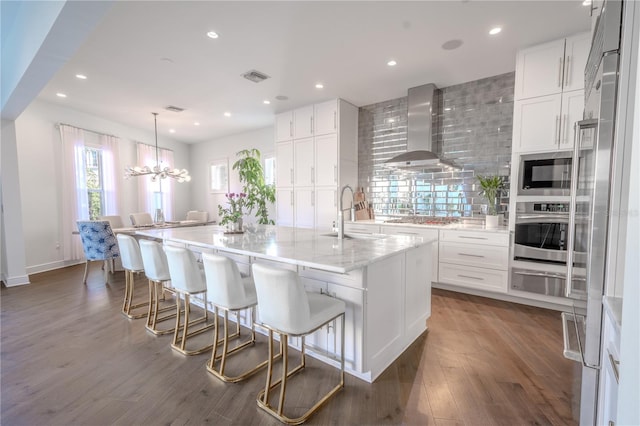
420, 155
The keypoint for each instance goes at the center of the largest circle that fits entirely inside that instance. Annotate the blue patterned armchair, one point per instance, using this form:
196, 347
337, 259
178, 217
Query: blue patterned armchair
99, 243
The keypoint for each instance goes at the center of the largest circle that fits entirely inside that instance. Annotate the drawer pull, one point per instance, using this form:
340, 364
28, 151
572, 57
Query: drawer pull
473, 238
470, 255
473, 278
614, 366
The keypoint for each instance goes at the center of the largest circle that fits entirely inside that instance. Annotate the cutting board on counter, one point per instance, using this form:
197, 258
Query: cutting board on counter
363, 211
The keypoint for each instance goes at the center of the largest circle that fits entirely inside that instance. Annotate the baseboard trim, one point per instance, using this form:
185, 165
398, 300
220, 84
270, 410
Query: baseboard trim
15, 281
44, 267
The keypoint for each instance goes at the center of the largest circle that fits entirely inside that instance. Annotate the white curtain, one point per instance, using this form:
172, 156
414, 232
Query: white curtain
110, 177
158, 194
75, 202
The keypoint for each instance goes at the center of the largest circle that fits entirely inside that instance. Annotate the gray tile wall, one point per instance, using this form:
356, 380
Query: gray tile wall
472, 127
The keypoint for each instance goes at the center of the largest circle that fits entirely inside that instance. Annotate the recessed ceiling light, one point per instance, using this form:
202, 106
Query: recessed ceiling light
212, 34
81, 76
392, 63
495, 30
227, 114
282, 97
61, 95
172, 130
196, 123
266, 102
452, 44
586, 3
319, 86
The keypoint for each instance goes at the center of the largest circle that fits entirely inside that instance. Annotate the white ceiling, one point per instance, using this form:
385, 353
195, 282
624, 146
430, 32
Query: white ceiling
146, 55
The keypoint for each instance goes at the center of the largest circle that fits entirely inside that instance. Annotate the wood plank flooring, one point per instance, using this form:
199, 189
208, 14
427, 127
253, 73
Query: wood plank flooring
68, 357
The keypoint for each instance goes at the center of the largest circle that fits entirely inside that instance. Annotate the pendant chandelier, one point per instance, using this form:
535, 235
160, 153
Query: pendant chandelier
157, 172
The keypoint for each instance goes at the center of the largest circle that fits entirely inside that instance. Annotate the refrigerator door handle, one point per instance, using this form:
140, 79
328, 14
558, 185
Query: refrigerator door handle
580, 345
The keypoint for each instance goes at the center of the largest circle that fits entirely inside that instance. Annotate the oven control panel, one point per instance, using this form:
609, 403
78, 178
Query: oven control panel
551, 207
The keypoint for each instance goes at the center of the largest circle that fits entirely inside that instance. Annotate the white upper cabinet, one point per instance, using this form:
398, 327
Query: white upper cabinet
552, 67
576, 53
304, 168
284, 126
326, 117
539, 70
284, 206
305, 204
326, 160
536, 123
284, 165
572, 112
303, 122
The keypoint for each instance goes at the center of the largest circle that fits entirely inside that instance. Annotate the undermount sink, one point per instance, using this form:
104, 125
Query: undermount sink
356, 236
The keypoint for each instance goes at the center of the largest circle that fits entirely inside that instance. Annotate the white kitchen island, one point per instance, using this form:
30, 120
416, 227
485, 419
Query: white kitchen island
385, 281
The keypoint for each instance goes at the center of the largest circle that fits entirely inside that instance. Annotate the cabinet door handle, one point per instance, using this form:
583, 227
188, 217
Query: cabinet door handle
556, 136
335, 120
469, 276
567, 74
335, 173
470, 255
291, 198
311, 125
313, 178
565, 134
291, 129
335, 198
313, 196
472, 238
560, 73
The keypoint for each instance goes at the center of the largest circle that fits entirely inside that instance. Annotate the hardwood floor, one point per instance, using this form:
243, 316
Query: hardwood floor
68, 356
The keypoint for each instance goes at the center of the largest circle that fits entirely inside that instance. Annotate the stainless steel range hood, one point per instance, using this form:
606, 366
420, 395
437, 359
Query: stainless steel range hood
420, 155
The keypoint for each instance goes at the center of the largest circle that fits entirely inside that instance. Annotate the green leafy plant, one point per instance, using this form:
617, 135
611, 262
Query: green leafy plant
259, 194
234, 212
491, 188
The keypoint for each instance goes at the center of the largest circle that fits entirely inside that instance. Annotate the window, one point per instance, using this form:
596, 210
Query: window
95, 182
270, 169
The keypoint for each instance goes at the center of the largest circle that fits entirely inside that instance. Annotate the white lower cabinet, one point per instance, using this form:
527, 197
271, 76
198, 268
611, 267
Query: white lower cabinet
326, 207
304, 202
474, 259
427, 233
284, 206
609, 374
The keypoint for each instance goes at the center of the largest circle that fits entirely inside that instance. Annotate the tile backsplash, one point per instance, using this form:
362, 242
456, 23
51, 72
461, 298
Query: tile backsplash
472, 126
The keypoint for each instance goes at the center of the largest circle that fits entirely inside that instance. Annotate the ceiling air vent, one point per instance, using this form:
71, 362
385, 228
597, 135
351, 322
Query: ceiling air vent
174, 108
255, 76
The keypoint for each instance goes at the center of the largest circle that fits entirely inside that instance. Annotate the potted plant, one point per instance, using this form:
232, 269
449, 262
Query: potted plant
232, 215
491, 188
256, 194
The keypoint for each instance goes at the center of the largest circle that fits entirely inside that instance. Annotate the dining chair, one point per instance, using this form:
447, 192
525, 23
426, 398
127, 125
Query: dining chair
99, 243
141, 219
115, 221
286, 308
198, 216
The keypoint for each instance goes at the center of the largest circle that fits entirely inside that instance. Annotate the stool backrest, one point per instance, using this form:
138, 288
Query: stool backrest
282, 300
130, 253
154, 260
98, 240
224, 282
184, 270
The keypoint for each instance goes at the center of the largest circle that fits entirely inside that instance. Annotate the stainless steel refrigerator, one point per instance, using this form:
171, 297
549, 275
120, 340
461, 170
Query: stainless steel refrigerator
590, 202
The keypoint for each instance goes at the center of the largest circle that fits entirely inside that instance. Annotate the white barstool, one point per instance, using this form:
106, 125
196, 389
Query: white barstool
157, 271
228, 291
132, 264
286, 308
187, 279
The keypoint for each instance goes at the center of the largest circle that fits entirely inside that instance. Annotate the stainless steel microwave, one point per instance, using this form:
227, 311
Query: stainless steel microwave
545, 174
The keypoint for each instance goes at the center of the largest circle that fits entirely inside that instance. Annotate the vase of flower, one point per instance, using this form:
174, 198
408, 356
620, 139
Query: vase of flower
491, 188
231, 216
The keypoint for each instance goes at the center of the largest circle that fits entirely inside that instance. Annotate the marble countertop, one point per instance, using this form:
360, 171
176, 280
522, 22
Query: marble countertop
475, 225
304, 247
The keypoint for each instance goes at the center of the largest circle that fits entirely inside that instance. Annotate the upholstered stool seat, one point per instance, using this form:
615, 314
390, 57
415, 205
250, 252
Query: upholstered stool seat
227, 290
132, 264
187, 280
99, 243
156, 269
286, 308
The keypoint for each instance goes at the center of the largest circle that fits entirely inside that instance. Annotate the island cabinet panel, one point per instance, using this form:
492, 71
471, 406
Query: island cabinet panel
418, 291
427, 233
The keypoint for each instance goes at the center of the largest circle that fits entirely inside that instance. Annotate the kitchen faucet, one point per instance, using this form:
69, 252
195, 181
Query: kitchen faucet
341, 213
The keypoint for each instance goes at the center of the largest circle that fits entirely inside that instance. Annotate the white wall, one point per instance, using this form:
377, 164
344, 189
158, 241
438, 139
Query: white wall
204, 153
39, 154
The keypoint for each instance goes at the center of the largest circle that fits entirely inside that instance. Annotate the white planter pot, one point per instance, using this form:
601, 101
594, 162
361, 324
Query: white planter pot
491, 221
